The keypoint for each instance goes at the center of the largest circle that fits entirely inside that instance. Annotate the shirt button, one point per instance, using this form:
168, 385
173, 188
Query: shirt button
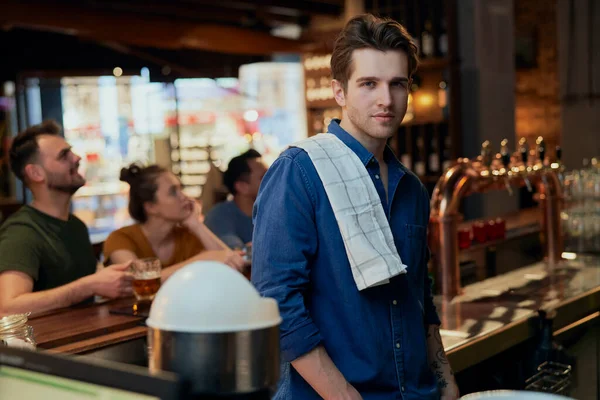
394, 302
376, 176
402, 388
397, 345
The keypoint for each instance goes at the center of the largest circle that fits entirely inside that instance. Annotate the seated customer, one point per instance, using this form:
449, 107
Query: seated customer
169, 225
46, 258
231, 221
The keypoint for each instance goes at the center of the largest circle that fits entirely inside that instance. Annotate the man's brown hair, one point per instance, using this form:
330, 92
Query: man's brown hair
25, 147
368, 31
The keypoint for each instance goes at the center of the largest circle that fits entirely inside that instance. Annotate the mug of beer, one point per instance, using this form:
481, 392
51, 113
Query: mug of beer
146, 278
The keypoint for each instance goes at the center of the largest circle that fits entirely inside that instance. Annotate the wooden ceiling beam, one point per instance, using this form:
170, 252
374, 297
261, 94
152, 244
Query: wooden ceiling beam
147, 31
205, 13
287, 7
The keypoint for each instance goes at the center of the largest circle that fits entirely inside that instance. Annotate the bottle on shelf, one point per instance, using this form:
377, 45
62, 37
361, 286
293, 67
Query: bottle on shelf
419, 163
443, 39
427, 42
443, 98
433, 158
447, 145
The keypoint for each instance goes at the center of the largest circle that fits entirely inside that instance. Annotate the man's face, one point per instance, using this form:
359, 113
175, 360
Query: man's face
375, 100
250, 185
59, 165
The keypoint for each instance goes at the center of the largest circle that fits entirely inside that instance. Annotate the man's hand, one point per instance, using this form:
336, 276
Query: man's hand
317, 368
195, 216
233, 258
350, 394
450, 392
113, 281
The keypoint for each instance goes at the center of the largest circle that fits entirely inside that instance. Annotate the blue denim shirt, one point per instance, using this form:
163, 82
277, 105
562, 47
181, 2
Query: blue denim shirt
376, 337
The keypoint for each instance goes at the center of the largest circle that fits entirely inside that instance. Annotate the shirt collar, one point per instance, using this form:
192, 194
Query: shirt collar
363, 154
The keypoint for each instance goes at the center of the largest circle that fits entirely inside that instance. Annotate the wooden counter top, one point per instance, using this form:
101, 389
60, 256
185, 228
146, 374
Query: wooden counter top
496, 314
84, 328
489, 317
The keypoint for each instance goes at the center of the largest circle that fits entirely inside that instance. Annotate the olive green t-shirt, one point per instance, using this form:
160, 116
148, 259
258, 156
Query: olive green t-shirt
52, 251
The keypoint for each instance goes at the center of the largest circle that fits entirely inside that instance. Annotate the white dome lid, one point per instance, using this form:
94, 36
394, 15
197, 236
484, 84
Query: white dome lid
210, 297
513, 395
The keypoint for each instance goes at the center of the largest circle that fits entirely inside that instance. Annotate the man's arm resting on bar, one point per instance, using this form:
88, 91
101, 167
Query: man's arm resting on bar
17, 296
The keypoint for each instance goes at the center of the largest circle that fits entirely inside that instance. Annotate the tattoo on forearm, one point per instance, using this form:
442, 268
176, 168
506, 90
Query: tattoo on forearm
439, 375
440, 354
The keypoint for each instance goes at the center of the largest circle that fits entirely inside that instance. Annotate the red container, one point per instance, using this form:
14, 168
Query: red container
490, 228
480, 232
464, 238
500, 228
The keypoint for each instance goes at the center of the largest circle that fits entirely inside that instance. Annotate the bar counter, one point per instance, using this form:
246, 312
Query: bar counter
497, 314
489, 317
86, 328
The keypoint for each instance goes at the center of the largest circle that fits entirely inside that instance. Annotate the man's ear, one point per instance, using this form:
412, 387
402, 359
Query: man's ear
241, 187
338, 92
34, 173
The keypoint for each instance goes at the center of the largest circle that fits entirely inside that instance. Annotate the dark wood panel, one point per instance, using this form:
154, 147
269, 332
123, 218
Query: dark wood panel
80, 323
95, 343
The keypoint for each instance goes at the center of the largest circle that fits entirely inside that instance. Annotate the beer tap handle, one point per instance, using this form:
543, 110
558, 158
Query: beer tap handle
558, 154
486, 154
505, 154
541, 149
524, 150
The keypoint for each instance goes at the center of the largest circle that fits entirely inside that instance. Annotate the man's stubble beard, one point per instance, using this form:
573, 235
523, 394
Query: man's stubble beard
368, 126
70, 189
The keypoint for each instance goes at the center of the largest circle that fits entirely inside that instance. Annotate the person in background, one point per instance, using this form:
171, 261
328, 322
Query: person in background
46, 258
169, 225
358, 321
231, 221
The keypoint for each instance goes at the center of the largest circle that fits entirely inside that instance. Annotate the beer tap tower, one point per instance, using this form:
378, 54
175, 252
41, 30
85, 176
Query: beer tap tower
485, 173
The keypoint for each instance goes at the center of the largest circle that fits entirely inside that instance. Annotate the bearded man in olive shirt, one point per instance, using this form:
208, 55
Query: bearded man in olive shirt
46, 258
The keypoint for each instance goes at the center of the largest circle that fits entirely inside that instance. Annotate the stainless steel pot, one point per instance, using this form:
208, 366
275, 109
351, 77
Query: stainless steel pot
219, 363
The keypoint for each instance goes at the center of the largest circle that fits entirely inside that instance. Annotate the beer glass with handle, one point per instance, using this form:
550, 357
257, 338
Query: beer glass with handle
146, 278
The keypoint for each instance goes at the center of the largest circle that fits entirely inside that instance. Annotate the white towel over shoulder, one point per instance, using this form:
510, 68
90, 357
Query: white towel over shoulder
357, 207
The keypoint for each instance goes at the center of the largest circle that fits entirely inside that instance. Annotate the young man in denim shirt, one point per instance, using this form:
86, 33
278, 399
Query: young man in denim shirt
382, 342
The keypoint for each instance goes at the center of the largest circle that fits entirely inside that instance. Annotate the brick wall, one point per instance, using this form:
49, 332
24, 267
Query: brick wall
537, 106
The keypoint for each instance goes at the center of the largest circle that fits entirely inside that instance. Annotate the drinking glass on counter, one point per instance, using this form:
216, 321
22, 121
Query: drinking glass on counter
146, 278
581, 214
15, 332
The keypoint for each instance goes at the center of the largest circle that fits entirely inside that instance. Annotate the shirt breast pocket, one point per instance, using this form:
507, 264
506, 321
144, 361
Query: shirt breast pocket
415, 247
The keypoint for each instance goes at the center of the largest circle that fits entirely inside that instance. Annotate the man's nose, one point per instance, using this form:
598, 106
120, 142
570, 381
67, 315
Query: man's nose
384, 96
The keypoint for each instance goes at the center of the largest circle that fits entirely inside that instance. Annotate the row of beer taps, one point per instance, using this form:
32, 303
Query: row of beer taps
501, 171
514, 167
